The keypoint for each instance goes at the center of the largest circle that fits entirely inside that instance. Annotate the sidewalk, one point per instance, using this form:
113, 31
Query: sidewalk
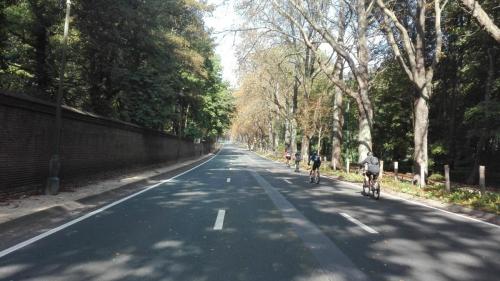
70, 201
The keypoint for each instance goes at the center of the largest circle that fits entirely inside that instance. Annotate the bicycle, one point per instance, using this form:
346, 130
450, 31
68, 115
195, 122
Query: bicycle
314, 176
372, 188
297, 166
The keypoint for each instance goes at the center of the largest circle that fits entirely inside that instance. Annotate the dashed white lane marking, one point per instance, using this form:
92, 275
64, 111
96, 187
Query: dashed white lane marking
287, 181
219, 221
228, 180
88, 215
362, 225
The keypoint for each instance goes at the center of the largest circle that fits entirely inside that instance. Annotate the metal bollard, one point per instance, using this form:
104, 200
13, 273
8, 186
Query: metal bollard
396, 170
482, 181
447, 177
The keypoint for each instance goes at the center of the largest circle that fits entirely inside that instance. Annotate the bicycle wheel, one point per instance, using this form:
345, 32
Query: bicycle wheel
376, 191
366, 189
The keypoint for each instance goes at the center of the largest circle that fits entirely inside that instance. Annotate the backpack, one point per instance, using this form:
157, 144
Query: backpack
373, 165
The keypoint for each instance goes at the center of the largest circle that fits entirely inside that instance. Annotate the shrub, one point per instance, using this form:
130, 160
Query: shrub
436, 177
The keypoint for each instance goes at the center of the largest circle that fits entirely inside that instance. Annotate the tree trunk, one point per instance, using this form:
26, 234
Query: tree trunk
305, 147
319, 138
365, 120
338, 122
270, 136
276, 139
421, 108
338, 112
287, 131
293, 137
364, 104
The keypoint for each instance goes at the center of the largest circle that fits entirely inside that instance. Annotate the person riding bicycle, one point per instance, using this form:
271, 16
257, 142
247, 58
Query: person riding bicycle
288, 156
316, 159
298, 158
373, 168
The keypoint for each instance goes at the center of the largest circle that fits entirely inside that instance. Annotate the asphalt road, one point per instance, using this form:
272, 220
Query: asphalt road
241, 217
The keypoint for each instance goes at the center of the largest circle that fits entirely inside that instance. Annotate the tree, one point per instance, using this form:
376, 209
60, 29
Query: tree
316, 17
146, 62
413, 57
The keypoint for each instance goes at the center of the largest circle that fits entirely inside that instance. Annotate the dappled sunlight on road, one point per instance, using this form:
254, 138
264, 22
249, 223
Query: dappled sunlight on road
167, 234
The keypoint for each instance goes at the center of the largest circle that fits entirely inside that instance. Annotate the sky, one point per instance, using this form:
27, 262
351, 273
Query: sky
224, 18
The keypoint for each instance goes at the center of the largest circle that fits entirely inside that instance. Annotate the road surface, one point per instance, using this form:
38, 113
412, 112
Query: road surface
241, 217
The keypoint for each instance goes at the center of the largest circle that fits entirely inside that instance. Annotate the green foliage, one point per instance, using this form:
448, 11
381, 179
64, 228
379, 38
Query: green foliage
146, 62
392, 129
436, 177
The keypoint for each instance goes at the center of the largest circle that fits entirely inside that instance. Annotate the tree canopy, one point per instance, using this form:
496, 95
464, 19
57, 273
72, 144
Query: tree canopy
151, 63
416, 82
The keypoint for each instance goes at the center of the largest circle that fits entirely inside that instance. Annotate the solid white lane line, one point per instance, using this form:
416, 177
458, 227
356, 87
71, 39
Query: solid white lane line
219, 221
425, 205
86, 216
228, 180
362, 225
287, 181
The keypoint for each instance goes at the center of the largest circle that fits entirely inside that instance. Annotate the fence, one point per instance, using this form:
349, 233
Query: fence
90, 144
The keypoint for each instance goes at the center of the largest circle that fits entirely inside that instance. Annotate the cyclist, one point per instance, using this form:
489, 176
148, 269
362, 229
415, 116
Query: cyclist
373, 168
288, 156
316, 159
298, 158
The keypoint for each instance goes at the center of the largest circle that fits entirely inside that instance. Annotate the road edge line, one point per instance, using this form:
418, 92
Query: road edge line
41, 236
422, 204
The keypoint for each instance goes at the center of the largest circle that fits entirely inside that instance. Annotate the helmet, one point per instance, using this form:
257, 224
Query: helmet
314, 152
369, 153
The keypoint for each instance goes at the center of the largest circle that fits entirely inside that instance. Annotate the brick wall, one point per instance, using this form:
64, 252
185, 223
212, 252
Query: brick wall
90, 144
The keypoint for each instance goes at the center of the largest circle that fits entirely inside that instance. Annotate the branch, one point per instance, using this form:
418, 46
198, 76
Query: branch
395, 48
439, 40
407, 44
482, 17
327, 36
309, 44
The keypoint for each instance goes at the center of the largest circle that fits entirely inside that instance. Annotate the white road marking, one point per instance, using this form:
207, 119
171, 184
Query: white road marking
228, 180
362, 225
219, 221
230, 168
86, 216
287, 181
424, 205
336, 265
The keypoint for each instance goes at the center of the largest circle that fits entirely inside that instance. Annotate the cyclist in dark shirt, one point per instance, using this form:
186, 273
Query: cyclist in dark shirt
298, 158
316, 159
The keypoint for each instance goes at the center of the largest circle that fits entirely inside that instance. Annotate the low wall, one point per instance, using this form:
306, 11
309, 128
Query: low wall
89, 144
